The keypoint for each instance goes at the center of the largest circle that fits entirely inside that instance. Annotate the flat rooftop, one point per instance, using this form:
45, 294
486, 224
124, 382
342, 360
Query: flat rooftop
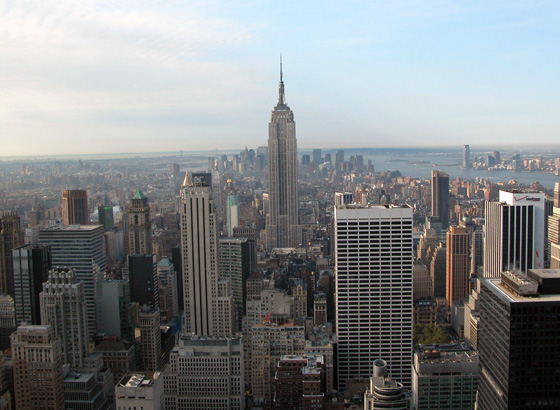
497, 286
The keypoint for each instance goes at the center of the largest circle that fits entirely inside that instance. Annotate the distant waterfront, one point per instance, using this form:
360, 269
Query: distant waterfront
409, 162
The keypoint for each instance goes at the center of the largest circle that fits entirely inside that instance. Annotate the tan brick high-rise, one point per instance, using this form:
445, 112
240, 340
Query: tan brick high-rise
37, 363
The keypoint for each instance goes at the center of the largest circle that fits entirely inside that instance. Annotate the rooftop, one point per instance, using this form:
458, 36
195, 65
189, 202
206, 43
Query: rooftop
138, 379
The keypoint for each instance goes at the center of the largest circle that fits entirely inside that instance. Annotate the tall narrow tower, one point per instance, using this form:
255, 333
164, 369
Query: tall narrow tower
75, 207
10, 237
199, 247
440, 197
139, 226
63, 307
282, 228
458, 267
373, 252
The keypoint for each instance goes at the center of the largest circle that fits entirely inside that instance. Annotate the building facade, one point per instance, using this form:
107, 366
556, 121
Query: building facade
32, 264
63, 308
445, 379
282, 229
139, 225
10, 237
37, 363
519, 341
75, 207
440, 197
205, 373
80, 248
373, 252
457, 266
199, 247
514, 233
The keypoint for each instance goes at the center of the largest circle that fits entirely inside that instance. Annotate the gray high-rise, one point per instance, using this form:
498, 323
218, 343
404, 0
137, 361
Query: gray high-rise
80, 248
282, 229
440, 197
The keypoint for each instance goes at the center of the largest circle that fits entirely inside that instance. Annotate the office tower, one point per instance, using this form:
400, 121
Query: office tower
63, 308
7, 320
339, 159
105, 217
270, 340
232, 213
150, 339
422, 281
438, 271
80, 248
31, 269
118, 356
305, 159
205, 373
235, 265
445, 379
114, 310
37, 363
10, 237
199, 247
457, 266
320, 309
282, 229
140, 391
477, 251
514, 233
299, 382
177, 260
139, 226
373, 256
75, 207
497, 157
467, 157
519, 341
440, 197
384, 392
168, 299
176, 170
84, 391
553, 229
143, 279
317, 157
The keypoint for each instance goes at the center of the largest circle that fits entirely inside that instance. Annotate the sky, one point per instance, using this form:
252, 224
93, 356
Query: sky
117, 76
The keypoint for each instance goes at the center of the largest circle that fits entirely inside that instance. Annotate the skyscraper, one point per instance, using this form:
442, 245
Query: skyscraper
514, 233
139, 226
235, 265
373, 254
519, 341
10, 237
282, 229
143, 279
150, 339
205, 373
467, 156
199, 247
31, 269
458, 267
37, 354
440, 197
80, 248
317, 157
75, 207
232, 213
63, 307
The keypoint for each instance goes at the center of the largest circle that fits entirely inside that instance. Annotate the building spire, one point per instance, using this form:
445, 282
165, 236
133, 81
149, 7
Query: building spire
281, 96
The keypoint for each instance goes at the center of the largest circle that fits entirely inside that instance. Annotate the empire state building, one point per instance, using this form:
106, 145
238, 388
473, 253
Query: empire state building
282, 229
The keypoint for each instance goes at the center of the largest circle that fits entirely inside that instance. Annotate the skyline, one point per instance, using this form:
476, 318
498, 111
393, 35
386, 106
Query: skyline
146, 77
